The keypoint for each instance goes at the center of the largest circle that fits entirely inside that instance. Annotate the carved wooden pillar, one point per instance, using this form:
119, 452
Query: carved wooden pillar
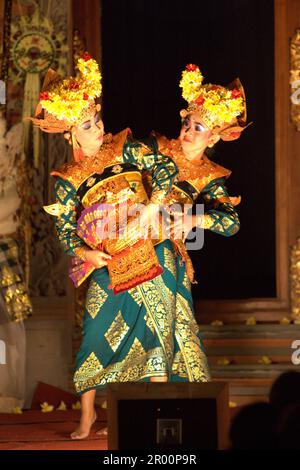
287, 185
86, 17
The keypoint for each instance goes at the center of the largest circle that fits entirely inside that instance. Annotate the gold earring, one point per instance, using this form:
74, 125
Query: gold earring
74, 141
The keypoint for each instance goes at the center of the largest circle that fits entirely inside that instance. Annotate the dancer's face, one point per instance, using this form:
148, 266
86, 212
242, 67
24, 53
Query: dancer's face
194, 136
90, 134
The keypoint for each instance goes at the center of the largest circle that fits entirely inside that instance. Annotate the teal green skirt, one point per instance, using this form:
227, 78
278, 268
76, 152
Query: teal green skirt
148, 331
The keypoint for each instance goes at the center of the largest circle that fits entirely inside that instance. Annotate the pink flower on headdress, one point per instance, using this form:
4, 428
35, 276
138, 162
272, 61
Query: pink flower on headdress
44, 95
192, 68
200, 100
235, 93
86, 56
85, 96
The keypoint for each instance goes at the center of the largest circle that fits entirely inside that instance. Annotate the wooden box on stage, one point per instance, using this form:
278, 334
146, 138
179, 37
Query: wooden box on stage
153, 415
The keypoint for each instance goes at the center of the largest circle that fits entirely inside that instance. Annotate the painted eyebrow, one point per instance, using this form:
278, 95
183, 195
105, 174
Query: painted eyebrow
90, 119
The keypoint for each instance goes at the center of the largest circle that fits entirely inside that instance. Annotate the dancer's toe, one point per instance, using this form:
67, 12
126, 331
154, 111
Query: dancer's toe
102, 432
83, 430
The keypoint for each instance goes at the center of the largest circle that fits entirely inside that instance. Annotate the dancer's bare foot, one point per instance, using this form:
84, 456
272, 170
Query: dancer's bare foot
83, 430
102, 432
164, 378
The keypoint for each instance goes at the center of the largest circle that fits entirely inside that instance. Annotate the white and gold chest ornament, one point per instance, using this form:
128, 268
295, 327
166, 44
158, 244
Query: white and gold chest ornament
91, 181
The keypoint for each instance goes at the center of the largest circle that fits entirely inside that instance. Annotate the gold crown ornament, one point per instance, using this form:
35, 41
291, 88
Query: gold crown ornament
220, 109
65, 103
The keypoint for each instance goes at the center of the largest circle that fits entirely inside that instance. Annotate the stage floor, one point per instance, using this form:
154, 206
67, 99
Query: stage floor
34, 430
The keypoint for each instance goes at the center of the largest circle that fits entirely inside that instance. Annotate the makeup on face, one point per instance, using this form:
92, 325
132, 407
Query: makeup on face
89, 134
188, 123
88, 124
194, 136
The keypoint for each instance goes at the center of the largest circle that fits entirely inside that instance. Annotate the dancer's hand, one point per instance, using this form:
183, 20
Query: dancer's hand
97, 258
182, 224
139, 227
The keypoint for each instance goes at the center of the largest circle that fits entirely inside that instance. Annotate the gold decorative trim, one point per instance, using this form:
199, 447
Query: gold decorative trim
159, 304
186, 333
116, 332
295, 280
170, 262
295, 78
96, 297
136, 366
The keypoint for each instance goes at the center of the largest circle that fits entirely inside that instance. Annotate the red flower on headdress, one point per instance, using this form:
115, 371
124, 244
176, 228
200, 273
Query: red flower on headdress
235, 93
85, 96
200, 100
44, 95
85, 56
74, 85
214, 87
191, 67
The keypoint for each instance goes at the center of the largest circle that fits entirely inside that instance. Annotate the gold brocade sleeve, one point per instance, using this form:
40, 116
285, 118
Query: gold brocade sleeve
66, 220
144, 153
220, 215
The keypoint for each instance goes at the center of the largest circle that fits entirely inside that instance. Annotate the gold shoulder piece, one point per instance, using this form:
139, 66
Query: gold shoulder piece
74, 172
55, 209
65, 170
217, 170
120, 139
162, 141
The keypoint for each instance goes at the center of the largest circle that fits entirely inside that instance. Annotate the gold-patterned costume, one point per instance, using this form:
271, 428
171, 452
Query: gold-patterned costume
129, 336
206, 184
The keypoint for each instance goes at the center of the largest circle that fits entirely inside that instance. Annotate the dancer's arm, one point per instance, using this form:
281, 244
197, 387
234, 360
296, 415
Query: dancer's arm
66, 224
145, 154
220, 215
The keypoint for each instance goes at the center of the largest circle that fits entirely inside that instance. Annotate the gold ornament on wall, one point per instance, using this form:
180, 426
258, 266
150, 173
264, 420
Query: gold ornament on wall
295, 78
79, 46
295, 281
35, 47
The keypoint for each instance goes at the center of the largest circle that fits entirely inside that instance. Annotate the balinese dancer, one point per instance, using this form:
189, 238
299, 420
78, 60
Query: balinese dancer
214, 112
129, 312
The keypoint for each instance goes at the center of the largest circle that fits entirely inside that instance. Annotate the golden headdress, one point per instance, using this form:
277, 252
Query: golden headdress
65, 103
221, 109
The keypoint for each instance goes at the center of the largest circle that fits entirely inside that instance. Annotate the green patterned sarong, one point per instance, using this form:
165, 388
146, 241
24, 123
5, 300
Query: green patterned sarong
145, 332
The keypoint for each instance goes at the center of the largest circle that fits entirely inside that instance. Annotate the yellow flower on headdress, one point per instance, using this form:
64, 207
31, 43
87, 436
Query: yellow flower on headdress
190, 82
217, 104
67, 99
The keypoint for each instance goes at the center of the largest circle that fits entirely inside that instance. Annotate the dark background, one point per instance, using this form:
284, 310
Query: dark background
146, 45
